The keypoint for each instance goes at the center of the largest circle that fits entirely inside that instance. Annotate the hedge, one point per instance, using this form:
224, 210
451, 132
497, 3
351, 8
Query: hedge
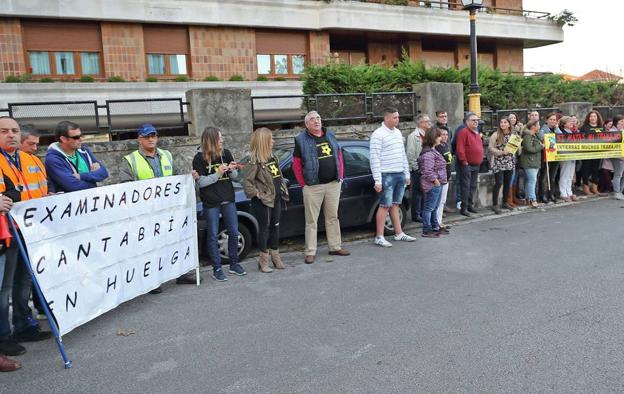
498, 90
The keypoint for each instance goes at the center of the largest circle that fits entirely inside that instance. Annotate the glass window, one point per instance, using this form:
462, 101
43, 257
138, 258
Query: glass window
156, 64
264, 64
298, 64
39, 63
177, 64
356, 160
64, 63
281, 64
90, 63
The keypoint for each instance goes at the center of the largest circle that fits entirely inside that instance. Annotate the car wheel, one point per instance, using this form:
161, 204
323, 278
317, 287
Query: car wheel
244, 243
388, 227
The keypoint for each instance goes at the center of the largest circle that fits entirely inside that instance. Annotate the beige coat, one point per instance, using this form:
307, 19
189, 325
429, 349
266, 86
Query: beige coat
259, 183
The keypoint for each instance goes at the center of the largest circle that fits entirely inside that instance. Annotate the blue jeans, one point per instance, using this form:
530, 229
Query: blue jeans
531, 181
393, 188
7, 262
230, 219
429, 217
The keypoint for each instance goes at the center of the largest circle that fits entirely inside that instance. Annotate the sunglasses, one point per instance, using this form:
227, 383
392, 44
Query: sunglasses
75, 137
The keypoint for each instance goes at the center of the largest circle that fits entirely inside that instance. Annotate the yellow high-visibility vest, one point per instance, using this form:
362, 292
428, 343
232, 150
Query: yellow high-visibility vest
141, 169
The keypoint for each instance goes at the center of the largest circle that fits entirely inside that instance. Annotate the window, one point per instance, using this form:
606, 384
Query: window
62, 48
161, 64
64, 62
39, 63
167, 49
177, 64
280, 65
356, 160
90, 63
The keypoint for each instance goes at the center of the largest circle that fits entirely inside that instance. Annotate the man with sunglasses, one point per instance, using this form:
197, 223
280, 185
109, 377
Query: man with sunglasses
71, 166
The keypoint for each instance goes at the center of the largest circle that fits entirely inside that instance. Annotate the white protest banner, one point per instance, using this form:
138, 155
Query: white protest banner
93, 249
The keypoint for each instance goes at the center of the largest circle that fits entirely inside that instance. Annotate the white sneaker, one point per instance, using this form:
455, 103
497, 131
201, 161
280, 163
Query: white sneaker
618, 196
404, 237
458, 206
381, 241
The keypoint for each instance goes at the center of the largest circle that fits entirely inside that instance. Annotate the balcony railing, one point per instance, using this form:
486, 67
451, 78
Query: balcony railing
456, 6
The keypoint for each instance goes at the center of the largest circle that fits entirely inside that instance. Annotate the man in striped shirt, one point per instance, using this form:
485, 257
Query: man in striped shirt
391, 174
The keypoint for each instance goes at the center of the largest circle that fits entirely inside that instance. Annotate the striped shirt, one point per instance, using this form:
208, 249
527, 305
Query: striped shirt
387, 153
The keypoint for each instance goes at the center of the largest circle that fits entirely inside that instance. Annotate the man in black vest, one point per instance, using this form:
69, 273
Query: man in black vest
317, 164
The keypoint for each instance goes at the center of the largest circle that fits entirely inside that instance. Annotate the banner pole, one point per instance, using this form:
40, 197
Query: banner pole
548, 175
197, 274
44, 304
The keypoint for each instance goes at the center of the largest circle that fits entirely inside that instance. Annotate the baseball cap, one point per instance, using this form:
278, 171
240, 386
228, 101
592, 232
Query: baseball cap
146, 129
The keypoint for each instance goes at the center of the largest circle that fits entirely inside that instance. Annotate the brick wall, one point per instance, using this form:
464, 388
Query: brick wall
11, 50
223, 52
123, 50
319, 48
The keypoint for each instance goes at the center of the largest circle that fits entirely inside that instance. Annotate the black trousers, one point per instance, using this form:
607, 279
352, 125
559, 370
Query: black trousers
268, 223
553, 167
470, 176
417, 195
501, 178
590, 171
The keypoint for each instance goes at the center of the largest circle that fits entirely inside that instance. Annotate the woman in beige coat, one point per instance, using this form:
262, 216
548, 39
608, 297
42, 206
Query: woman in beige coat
264, 184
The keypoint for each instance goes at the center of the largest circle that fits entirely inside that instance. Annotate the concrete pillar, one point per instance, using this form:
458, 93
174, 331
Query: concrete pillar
440, 96
580, 109
227, 109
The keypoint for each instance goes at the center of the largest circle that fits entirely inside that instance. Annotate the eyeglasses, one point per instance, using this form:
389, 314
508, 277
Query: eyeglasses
473, 120
75, 137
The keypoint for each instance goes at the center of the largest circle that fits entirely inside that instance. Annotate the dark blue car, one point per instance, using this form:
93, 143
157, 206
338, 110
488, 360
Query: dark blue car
358, 200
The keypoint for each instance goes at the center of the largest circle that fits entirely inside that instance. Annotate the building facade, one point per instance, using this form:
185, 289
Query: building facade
163, 40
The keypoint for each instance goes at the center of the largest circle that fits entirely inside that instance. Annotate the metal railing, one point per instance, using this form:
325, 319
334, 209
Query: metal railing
116, 117
334, 107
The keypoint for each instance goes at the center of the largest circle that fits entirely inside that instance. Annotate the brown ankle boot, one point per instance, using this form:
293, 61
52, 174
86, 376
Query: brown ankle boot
277, 259
263, 263
594, 188
510, 198
586, 190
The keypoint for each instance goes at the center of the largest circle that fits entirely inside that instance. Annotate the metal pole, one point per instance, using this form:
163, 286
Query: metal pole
37, 290
474, 97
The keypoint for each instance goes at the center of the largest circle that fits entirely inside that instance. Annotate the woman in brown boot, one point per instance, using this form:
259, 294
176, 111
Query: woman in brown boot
265, 185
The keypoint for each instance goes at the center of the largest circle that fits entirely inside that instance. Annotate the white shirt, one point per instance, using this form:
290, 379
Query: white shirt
387, 153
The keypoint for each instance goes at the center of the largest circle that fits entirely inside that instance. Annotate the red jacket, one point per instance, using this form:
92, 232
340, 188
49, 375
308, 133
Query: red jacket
469, 148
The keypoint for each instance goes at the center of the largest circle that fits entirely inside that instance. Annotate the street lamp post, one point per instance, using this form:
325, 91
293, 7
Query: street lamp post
474, 97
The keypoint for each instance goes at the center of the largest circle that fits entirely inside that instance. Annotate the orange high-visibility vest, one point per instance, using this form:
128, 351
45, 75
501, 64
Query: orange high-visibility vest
31, 181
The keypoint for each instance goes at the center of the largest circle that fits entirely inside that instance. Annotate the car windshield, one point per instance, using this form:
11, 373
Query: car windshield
280, 153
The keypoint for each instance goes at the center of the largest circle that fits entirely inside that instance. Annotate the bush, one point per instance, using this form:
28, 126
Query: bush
151, 79
18, 78
46, 80
182, 78
236, 77
262, 78
116, 78
281, 79
211, 78
498, 90
87, 78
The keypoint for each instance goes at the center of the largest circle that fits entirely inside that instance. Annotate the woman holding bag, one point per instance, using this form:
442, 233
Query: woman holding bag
264, 184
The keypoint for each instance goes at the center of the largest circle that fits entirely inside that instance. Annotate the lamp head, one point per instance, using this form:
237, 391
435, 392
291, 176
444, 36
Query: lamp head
472, 4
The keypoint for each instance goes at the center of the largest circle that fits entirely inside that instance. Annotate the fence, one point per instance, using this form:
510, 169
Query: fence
116, 117
333, 108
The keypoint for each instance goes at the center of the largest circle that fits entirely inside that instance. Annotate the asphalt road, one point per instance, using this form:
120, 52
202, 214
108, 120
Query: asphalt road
526, 303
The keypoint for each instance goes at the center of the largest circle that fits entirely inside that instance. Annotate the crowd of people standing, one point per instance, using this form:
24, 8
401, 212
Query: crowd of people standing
422, 161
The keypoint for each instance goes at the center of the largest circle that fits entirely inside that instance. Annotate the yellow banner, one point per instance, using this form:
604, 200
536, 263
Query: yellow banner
562, 147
